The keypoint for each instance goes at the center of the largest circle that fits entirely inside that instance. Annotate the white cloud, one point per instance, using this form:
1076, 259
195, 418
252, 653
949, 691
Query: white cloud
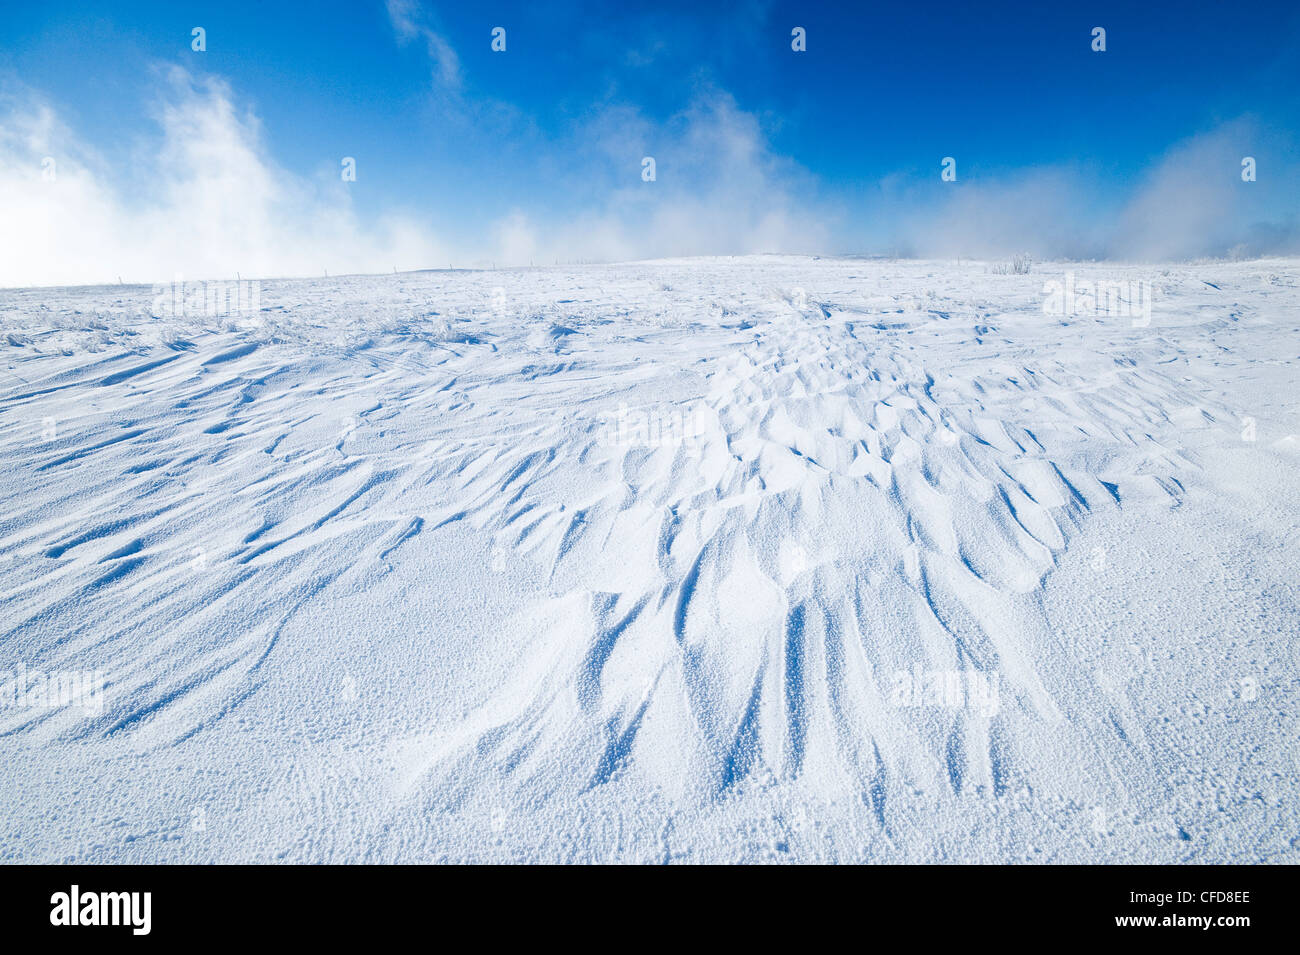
718, 189
1195, 203
1191, 203
215, 204
209, 202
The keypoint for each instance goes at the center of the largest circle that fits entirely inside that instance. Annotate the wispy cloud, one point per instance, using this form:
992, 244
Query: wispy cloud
1194, 202
412, 21
1191, 203
718, 188
212, 202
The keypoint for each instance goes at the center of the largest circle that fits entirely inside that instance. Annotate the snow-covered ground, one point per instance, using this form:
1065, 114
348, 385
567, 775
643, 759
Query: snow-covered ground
765, 558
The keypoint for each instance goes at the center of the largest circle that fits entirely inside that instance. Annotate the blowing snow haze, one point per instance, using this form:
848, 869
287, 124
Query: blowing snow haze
368, 138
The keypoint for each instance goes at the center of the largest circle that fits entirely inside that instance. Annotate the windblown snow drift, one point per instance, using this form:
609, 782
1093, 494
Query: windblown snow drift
758, 559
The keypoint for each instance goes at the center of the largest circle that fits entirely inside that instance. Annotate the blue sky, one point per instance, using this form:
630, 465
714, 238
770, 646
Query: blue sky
536, 152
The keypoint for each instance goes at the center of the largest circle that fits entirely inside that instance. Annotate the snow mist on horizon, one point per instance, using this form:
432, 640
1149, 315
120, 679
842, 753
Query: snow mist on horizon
1192, 202
210, 201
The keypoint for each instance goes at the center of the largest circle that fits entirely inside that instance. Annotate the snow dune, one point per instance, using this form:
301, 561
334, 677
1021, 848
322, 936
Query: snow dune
766, 558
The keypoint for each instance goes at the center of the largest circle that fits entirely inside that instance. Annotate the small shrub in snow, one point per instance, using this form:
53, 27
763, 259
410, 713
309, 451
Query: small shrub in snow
1019, 265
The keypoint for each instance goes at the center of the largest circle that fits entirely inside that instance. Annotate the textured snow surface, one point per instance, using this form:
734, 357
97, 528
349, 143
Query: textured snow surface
753, 559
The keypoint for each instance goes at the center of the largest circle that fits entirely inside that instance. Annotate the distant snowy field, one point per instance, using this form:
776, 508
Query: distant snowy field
753, 559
